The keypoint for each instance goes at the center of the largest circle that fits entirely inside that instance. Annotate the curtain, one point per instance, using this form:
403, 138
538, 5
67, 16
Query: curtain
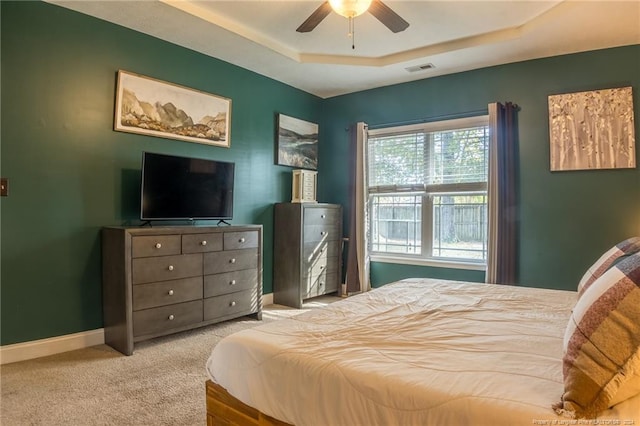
357, 279
502, 207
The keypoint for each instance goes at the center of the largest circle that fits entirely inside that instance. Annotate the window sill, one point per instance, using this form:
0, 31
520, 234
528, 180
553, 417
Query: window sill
473, 266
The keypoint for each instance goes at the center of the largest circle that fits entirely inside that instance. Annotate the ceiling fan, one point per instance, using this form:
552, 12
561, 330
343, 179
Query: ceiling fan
352, 8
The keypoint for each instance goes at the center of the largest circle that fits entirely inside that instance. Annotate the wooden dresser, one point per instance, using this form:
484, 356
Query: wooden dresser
307, 251
162, 280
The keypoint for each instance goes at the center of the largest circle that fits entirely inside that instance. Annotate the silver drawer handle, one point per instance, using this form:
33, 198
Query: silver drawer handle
232, 304
171, 317
232, 282
232, 261
170, 267
323, 233
203, 243
241, 240
170, 292
158, 245
322, 216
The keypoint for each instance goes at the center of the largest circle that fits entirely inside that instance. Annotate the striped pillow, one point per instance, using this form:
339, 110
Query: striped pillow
601, 363
626, 247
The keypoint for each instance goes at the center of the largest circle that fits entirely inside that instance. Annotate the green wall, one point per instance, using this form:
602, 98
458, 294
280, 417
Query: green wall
566, 219
70, 173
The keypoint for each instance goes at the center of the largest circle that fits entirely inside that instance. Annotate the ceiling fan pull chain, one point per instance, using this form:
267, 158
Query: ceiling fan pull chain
352, 32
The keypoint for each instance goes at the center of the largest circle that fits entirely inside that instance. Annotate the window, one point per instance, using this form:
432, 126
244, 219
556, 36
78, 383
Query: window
427, 188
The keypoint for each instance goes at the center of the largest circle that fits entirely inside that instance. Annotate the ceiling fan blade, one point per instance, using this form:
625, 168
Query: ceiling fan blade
315, 18
388, 17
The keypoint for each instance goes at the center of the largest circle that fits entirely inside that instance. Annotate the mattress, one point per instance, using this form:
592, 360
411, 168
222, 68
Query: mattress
414, 352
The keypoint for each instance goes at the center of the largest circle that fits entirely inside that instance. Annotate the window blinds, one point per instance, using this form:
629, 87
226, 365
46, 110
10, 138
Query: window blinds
423, 159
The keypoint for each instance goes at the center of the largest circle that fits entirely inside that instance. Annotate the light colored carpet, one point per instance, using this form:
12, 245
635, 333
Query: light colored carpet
162, 383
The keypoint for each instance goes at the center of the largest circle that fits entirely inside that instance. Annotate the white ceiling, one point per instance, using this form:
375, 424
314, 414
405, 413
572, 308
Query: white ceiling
452, 35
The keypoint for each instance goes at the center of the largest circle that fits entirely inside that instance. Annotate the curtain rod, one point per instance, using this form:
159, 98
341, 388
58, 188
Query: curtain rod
430, 119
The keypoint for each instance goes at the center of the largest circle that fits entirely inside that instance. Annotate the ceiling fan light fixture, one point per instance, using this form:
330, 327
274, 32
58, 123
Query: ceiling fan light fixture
350, 8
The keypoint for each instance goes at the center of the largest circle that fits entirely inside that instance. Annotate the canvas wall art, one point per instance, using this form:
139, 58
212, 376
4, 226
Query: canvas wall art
297, 143
592, 130
153, 107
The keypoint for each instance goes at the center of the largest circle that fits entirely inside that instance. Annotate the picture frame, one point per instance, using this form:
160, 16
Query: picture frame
296, 142
592, 130
153, 107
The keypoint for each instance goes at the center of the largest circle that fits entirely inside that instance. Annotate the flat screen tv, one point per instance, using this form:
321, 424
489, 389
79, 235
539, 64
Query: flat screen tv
185, 188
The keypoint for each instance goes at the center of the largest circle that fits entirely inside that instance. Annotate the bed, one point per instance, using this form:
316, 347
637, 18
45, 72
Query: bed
414, 352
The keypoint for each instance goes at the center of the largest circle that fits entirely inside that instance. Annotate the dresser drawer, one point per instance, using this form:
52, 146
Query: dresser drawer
147, 296
320, 265
230, 282
320, 216
313, 233
331, 283
150, 269
229, 304
240, 240
201, 243
155, 245
317, 285
318, 248
165, 318
230, 260
310, 286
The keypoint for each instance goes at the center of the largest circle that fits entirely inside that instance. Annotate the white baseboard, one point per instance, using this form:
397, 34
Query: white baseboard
50, 346
55, 345
267, 299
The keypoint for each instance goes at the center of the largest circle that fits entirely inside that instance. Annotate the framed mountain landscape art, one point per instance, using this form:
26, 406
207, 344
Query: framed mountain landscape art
153, 107
297, 143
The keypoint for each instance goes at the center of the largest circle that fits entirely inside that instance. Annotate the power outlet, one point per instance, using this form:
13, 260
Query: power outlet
4, 187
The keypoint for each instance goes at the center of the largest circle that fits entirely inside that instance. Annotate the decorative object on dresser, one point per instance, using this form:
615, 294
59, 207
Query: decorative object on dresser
307, 251
162, 280
304, 186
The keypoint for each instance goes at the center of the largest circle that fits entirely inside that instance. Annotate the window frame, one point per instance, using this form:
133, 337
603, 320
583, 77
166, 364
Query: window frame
426, 191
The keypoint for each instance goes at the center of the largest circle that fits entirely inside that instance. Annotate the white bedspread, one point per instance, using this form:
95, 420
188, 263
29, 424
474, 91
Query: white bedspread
416, 352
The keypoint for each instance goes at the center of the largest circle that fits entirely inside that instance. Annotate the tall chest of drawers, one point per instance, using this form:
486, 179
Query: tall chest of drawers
307, 251
162, 280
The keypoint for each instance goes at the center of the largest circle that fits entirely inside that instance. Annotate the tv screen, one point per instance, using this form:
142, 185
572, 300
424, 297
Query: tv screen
184, 188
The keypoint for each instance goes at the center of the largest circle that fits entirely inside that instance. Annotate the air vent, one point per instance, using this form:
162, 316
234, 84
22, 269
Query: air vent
422, 67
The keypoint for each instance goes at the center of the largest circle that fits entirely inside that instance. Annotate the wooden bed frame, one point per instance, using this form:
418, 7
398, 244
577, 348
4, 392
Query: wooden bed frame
224, 409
